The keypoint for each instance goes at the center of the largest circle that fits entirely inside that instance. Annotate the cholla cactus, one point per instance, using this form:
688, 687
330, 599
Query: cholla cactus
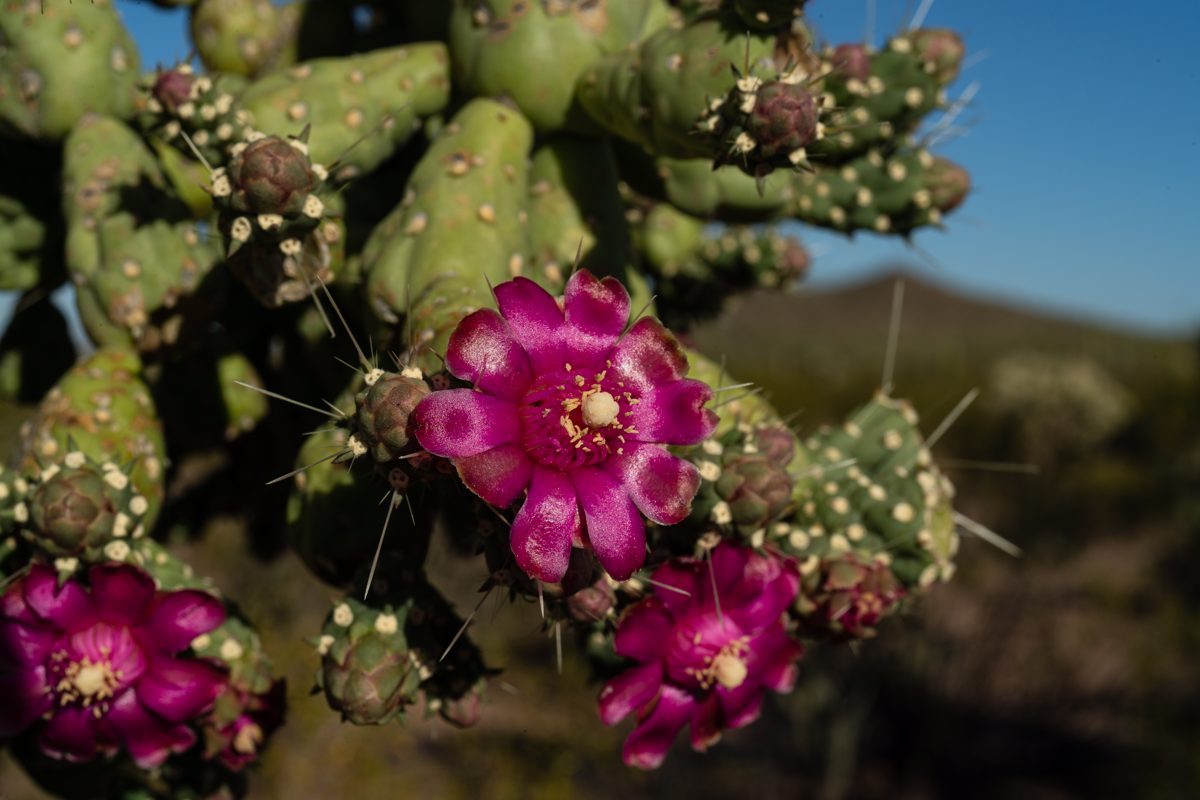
523, 204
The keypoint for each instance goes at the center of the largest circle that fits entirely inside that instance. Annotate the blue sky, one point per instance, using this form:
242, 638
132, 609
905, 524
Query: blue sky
1082, 144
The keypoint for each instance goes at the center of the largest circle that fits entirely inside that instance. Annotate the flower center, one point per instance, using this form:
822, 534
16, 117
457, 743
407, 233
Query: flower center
576, 417
729, 669
86, 682
247, 739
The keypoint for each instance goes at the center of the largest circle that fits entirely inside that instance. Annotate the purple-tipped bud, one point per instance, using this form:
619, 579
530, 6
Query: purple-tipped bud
948, 184
776, 443
784, 119
593, 603
271, 177
173, 88
848, 598
852, 61
384, 414
756, 488
941, 48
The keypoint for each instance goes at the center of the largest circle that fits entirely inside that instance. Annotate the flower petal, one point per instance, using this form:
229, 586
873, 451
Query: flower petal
648, 356
772, 658
642, 634
629, 692
728, 568
68, 606
25, 644
25, 699
498, 475
675, 414
614, 527
662, 485
179, 617
460, 422
70, 734
767, 588
483, 351
178, 689
707, 723
545, 525
681, 574
647, 746
535, 319
121, 593
149, 739
742, 705
596, 312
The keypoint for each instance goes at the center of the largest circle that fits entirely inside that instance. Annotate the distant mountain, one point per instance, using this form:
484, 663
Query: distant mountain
818, 349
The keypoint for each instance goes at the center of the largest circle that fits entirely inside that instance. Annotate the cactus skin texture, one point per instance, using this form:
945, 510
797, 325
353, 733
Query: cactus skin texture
575, 212
501, 47
244, 37
460, 224
61, 61
145, 274
377, 97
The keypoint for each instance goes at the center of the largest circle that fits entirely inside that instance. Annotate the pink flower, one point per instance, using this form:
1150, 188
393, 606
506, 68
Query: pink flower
571, 410
100, 667
700, 664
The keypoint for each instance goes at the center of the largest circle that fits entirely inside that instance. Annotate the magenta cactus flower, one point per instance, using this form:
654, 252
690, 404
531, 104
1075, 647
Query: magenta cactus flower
573, 410
705, 659
100, 667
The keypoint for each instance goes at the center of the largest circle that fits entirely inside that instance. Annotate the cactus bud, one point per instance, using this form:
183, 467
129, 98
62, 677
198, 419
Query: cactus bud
367, 670
271, 177
847, 597
384, 409
852, 61
948, 183
941, 51
756, 489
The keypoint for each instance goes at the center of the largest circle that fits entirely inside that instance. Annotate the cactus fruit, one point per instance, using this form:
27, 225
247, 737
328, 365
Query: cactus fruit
62, 62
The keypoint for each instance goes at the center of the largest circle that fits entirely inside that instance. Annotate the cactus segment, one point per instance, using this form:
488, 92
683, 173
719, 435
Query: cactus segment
61, 61
144, 273
500, 48
575, 212
462, 222
102, 409
361, 108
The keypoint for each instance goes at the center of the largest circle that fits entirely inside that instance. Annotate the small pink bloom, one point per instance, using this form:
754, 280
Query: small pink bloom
705, 659
100, 666
574, 412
